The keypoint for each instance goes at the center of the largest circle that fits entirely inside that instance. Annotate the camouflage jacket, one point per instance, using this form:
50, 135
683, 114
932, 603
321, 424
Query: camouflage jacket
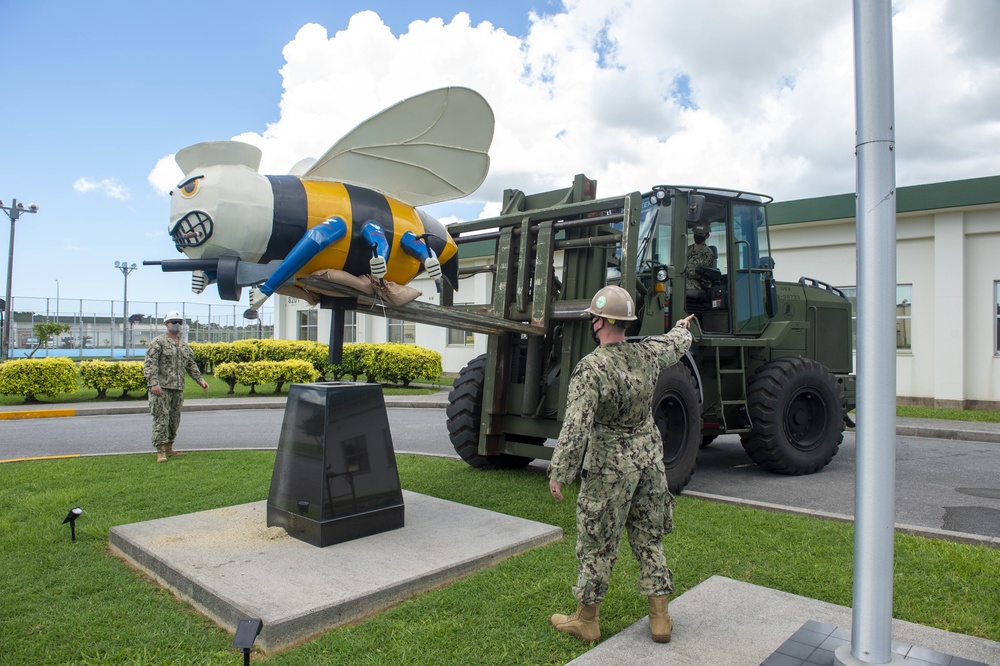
167, 361
609, 428
698, 256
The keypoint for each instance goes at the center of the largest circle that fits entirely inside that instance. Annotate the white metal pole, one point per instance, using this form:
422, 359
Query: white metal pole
875, 484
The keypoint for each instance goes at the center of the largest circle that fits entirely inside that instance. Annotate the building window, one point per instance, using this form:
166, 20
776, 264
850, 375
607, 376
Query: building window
398, 330
904, 317
996, 314
307, 324
904, 322
459, 338
350, 326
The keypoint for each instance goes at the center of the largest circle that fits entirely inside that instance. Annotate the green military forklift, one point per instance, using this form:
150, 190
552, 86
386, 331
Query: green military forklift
771, 361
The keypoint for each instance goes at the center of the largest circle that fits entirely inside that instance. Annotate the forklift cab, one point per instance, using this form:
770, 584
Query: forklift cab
736, 295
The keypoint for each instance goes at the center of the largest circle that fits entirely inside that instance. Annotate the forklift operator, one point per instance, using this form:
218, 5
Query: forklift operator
699, 254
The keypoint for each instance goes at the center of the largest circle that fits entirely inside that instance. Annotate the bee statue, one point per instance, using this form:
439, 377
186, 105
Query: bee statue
352, 210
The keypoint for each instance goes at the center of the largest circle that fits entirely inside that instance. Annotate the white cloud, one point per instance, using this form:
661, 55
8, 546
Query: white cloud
756, 95
165, 175
112, 188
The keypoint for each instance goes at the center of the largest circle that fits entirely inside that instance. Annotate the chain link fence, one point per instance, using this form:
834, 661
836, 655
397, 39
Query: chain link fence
99, 328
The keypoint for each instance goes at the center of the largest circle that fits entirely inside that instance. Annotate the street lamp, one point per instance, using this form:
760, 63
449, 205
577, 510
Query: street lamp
125, 269
13, 212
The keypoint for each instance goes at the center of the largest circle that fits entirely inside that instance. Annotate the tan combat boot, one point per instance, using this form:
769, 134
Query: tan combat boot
660, 623
161, 453
583, 623
171, 453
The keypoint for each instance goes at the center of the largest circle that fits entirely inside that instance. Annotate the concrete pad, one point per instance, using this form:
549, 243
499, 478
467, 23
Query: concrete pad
230, 565
725, 622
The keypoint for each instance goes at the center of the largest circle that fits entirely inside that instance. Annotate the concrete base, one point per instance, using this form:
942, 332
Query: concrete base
843, 657
724, 622
230, 566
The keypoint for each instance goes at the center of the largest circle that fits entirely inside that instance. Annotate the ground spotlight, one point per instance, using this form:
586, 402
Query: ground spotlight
71, 519
246, 633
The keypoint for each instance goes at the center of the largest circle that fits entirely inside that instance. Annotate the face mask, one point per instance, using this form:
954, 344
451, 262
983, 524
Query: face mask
593, 331
174, 328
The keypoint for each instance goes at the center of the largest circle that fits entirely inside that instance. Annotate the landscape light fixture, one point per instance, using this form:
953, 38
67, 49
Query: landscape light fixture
246, 633
70, 518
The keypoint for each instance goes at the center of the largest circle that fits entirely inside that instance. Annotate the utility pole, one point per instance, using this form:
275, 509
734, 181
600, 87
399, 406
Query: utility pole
13, 212
125, 269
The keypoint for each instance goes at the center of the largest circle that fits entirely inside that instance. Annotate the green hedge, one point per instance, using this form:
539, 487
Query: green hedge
252, 373
247, 362
389, 362
37, 376
104, 375
400, 364
352, 361
209, 355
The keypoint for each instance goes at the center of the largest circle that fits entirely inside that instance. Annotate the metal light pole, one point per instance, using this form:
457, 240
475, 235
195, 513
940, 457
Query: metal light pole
125, 269
875, 467
13, 212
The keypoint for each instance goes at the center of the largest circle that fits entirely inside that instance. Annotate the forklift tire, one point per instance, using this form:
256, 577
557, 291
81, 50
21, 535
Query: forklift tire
465, 410
677, 413
797, 410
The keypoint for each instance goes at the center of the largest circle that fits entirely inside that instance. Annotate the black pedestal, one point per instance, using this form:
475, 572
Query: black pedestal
335, 476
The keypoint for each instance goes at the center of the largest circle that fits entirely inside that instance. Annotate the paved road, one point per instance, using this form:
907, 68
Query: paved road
413, 431
941, 483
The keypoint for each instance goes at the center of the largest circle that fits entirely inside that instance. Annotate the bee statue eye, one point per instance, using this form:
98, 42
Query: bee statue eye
189, 188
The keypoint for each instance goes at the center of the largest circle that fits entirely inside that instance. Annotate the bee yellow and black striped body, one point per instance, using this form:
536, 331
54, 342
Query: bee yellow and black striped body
300, 204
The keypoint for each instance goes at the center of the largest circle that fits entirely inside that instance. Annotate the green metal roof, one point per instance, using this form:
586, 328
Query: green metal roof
913, 198
952, 194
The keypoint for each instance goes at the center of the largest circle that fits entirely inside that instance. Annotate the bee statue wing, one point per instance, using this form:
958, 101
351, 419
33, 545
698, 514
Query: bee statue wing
426, 149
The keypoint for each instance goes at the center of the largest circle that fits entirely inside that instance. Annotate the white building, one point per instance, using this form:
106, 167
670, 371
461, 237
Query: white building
948, 289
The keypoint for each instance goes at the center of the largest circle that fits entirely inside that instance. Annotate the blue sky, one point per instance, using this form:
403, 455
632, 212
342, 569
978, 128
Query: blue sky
756, 95
102, 90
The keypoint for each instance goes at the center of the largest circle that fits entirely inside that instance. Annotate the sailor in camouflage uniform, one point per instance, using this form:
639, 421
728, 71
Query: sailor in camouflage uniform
167, 359
699, 254
609, 437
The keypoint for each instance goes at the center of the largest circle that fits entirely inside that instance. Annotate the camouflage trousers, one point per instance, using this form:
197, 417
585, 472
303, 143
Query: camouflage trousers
166, 411
638, 502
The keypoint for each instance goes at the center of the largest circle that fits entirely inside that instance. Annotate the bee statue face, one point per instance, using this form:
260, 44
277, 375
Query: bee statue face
351, 210
221, 209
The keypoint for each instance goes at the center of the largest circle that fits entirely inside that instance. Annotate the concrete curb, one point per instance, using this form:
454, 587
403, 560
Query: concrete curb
915, 530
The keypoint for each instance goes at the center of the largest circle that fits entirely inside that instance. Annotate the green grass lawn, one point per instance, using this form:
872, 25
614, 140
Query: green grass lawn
65, 602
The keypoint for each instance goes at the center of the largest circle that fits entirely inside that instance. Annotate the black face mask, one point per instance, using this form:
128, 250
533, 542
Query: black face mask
593, 333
